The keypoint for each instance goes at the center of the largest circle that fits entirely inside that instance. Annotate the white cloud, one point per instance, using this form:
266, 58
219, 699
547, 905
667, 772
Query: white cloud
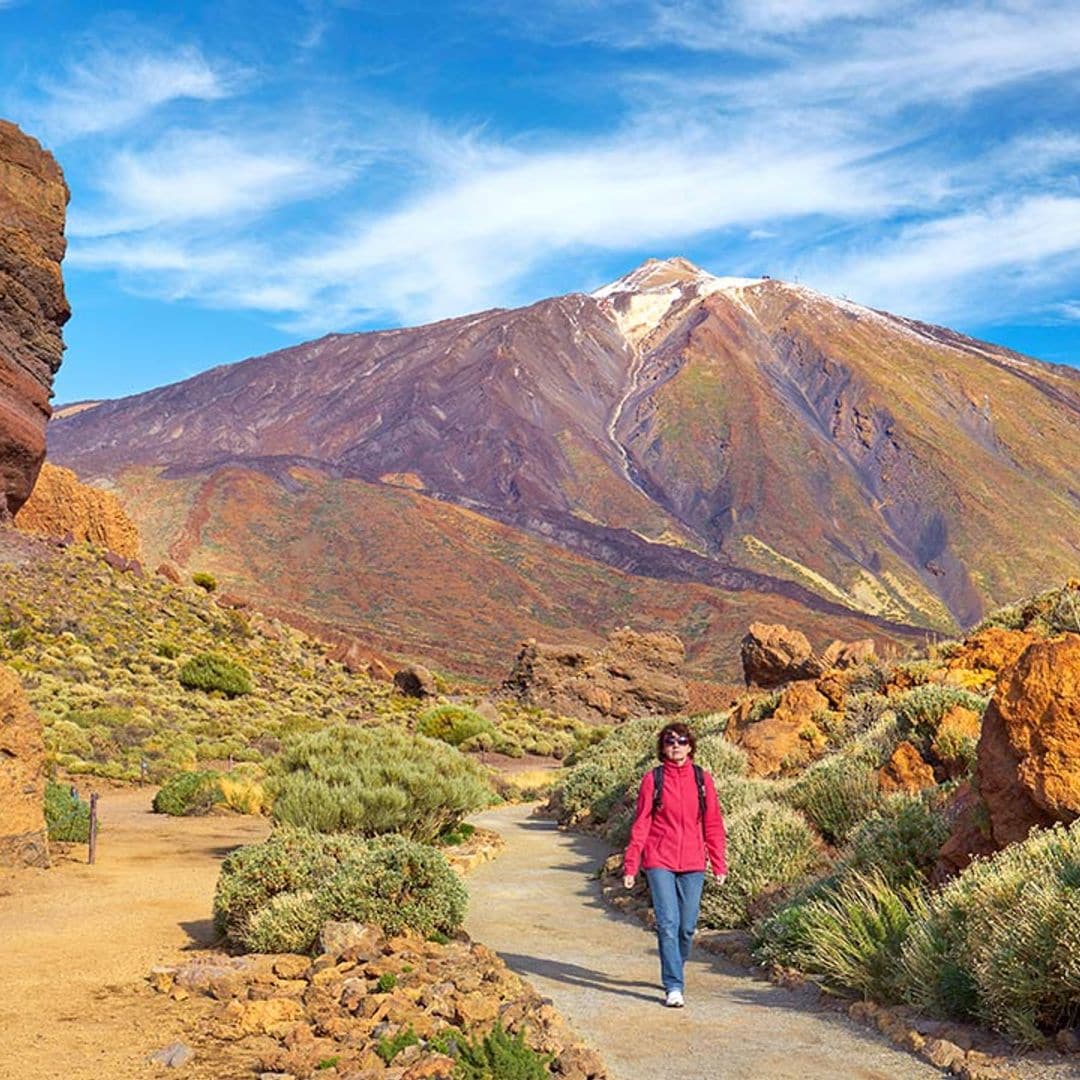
112, 89
194, 175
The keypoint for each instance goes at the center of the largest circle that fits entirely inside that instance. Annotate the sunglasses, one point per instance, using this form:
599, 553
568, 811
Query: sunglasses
676, 740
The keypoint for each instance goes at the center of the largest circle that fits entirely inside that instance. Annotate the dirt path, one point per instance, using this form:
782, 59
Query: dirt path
77, 941
539, 906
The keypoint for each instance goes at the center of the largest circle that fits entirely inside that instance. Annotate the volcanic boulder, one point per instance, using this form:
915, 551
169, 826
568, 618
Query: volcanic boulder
33, 307
60, 505
23, 839
634, 675
1029, 750
773, 654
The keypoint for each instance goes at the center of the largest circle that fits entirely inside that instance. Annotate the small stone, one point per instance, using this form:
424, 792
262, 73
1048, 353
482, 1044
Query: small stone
173, 1056
943, 1054
356, 940
291, 966
1067, 1041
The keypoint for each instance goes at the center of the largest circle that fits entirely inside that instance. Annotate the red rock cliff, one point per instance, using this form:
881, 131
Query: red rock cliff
33, 307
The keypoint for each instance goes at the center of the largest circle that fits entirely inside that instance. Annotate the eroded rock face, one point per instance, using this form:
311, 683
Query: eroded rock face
60, 505
788, 738
634, 675
1029, 750
33, 307
773, 654
23, 839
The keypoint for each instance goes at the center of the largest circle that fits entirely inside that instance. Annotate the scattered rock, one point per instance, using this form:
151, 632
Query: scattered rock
789, 737
906, 771
173, 1056
415, 681
841, 654
359, 940
991, 649
360, 660
635, 674
773, 654
23, 838
170, 572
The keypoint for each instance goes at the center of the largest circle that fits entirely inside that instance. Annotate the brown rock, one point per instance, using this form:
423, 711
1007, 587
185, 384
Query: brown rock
60, 505
415, 681
475, 1008
23, 839
906, 771
33, 308
1029, 750
841, 654
943, 1054
360, 660
1067, 1041
291, 966
970, 837
358, 940
634, 675
430, 1067
170, 572
991, 649
772, 655
787, 738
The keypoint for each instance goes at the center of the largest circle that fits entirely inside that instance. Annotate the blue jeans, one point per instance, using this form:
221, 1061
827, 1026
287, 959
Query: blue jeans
675, 899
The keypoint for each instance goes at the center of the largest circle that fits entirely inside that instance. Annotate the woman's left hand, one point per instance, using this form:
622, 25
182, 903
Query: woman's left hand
720, 878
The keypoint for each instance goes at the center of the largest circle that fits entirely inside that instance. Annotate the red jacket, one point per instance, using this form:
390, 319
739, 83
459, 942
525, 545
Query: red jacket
674, 838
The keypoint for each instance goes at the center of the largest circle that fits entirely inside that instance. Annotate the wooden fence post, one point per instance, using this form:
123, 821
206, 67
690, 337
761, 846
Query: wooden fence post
93, 827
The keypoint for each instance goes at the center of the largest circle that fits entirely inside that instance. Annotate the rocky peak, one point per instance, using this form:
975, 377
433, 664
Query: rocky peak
642, 300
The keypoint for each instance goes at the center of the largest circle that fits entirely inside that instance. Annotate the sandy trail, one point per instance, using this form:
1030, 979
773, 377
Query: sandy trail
539, 906
77, 941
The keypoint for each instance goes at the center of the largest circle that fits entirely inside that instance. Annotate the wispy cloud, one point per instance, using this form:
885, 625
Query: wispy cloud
114, 88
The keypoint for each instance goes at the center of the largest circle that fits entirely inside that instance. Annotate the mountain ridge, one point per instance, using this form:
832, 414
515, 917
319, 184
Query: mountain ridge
744, 434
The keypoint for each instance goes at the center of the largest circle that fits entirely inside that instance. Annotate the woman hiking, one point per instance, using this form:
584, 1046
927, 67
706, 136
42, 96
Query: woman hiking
677, 828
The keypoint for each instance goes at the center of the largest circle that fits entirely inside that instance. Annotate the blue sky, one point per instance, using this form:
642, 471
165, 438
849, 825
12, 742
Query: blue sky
245, 176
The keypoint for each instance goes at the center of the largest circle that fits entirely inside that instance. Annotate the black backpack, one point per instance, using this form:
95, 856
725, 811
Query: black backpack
658, 791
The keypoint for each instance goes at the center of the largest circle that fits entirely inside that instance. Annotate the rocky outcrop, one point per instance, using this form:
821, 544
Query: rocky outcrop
416, 681
990, 650
634, 675
23, 840
60, 505
1028, 768
906, 771
773, 654
33, 308
788, 738
1029, 750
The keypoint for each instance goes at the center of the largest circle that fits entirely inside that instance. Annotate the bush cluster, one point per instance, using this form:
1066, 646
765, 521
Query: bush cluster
67, 817
499, 1056
189, 793
275, 896
454, 724
212, 671
370, 781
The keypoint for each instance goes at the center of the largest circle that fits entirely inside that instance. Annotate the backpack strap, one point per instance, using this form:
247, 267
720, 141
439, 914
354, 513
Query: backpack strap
699, 776
657, 789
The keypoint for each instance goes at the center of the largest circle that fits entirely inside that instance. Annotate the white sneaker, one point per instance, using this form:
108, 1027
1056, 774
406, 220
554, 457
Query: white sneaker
674, 999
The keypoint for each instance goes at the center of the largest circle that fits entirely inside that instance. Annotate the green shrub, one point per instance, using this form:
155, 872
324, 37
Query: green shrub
374, 780
836, 794
386, 982
19, 638
169, 650
764, 707
901, 839
212, 671
1010, 617
720, 756
1064, 616
920, 710
398, 884
204, 581
769, 847
852, 934
189, 793
389, 1046
454, 724
500, 1056
274, 896
1001, 942
67, 817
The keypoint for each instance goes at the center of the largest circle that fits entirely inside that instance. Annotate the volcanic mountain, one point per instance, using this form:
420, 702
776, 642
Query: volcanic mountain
675, 450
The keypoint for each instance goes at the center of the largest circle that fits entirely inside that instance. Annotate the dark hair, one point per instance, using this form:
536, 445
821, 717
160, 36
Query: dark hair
677, 728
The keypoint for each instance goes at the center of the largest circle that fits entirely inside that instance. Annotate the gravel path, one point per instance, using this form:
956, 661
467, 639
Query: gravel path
539, 906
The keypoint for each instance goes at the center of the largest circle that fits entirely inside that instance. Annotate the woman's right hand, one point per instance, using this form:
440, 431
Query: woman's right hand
628, 881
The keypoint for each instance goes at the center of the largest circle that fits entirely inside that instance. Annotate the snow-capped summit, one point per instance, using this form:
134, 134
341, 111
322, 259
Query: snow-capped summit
641, 300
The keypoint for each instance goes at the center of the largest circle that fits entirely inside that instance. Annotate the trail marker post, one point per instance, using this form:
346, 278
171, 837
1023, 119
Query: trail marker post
93, 827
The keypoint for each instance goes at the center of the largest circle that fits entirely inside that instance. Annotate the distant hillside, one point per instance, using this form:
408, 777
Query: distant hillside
676, 451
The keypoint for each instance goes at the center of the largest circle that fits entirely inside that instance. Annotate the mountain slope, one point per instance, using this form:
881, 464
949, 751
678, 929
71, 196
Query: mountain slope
741, 437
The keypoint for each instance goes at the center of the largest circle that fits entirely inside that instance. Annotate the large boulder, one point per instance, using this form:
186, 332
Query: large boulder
773, 654
23, 838
60, 505
1028, 768
1029, 750
635, 674
33, 307
990, 649
789, 738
